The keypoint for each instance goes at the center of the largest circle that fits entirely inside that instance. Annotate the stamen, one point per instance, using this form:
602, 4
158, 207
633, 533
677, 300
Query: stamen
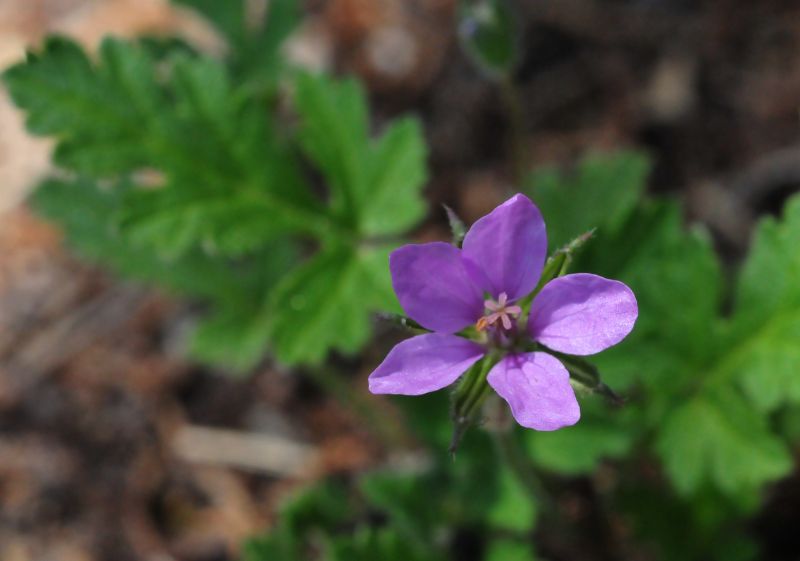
499, 312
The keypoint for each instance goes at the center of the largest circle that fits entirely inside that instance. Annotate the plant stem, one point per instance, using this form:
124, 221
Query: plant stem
516, 118
479, 389
468, 398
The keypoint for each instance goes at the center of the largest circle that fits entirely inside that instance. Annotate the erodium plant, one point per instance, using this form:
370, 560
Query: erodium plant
487, 304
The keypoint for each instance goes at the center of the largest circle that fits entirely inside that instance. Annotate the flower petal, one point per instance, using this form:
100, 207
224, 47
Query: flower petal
423, 364
536, 386
434, 288
505, 250
582, 314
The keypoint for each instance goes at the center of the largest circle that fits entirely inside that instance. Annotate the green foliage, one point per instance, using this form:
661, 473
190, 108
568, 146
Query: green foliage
254, 44
702, 382
577, 450
766, 321
413, 515
375, 183
181, 171
326, 302
513, 508
684, 353
695, 443
720, 437
601, 192
707, 527
509, 550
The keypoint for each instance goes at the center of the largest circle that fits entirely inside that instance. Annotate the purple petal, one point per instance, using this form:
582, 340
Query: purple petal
423, 364
582, 314
434, 288
536, 386
505, 250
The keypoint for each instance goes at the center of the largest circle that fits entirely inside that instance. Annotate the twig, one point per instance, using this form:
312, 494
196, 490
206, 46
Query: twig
258, 452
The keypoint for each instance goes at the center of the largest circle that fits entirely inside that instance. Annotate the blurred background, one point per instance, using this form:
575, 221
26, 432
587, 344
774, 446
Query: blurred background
127, 432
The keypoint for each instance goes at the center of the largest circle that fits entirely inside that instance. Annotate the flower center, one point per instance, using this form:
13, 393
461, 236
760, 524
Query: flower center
498, 313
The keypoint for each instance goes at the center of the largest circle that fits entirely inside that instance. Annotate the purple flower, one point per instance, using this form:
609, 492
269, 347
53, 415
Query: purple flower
446, 289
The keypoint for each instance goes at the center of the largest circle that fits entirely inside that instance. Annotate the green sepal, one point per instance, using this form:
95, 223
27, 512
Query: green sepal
457, 226
557, 265
403, 322
468, 397
583, 375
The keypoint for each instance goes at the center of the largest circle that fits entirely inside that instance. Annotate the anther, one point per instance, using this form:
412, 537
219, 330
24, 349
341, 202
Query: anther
499, 311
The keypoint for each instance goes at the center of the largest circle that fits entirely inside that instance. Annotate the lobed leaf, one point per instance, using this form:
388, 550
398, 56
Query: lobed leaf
601, 192
579, 449
375, 185
765, 324
326, 303
254, 43
718, 437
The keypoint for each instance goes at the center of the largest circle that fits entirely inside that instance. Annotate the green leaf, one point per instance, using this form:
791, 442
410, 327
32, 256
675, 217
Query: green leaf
425, 503
375, 184
235, 334
790, 424
326, 303
173, 221
333, 133
229, 16
225, 179
85, 212
204, 174
718, 437
705, 527
99, 114
320, 508
261, 58
684, 359
407, 499
255, 43
322, 505
274, 546
232, 183
369, 544
601, 193
396, 174
513, 508
578, 449
232, 338
677, 281
509, 550
766, 320
236, 331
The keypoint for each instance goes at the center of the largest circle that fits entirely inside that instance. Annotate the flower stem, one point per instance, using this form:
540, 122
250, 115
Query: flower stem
469, 397
516, 116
